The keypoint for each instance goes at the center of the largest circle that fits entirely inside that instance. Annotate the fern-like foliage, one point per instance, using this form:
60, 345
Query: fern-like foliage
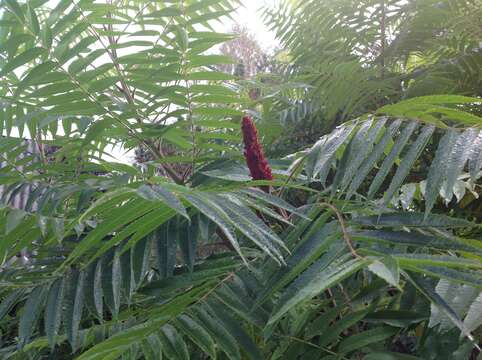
374, 157
126, 276
339, 258
360, 55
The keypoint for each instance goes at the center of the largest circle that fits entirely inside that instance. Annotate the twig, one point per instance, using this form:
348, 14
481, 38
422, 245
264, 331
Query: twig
346, 235
228, 277
290, 177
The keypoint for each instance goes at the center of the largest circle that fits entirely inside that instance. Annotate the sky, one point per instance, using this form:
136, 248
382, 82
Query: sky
250, 16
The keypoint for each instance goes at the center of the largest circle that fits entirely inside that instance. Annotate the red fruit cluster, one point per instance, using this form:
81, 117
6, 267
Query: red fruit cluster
253, 152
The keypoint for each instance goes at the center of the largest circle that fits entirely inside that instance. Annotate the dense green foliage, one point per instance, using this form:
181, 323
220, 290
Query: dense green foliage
367, 245
349, 57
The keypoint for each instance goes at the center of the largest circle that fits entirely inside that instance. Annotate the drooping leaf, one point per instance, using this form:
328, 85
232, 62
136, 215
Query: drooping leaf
388, 162
30, 314
172, 343
438, 301
73, 306
365, 338
53, 310
197, 334
159, 193
437, 170
224, 339
408, 161
413, 219
388, 269
313, 281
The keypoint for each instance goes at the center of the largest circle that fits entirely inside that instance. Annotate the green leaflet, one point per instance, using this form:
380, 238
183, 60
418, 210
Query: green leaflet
217, 215
21, 59
110, 281
316, 243
353, 155
322, 153
385, 355
187, 238
205, 60
459, 153
212, 112
412, 219
128, 285
14, 218
387, 164
53, 310
30, 314
237, 299
396, 318
15, 8
365, 338
33, 20
77, 108
318, 277
273, 200
55, 88
435, 299
232, 325
436, 260
63, 98
81, 46
9, 301
252, 227
438, 169
116, 282
159, 315
142, 227
461, 276
118, 216
89, 288
473, 319
211, 75
34, 74
172, 343
139, 260
151, 347
98, 290
7, 245
414, 239
423, 107
197, 334
204, 272
224, 339
458, 297
332, 333
475, 157
73, 306
407, 162
167, 11
320, 325
81, 63
157, 192
166, 246
387, 268
374, 156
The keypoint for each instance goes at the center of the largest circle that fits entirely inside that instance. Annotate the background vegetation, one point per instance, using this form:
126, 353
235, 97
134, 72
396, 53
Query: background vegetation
366, 245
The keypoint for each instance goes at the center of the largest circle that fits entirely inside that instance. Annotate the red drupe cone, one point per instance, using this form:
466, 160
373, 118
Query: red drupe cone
253, 152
